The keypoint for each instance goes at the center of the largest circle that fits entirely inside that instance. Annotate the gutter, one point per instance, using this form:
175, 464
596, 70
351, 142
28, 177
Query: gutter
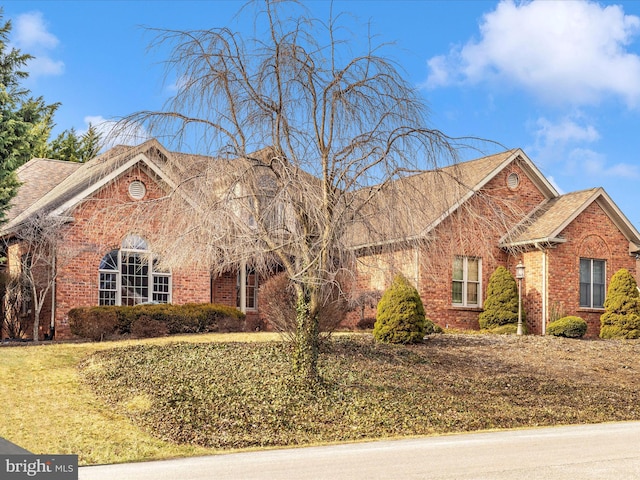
536, 242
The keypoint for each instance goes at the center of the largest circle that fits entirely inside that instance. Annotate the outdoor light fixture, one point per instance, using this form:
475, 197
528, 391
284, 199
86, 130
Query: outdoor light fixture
519, 276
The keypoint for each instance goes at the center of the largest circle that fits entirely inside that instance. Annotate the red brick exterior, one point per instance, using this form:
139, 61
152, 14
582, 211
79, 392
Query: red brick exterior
475, 230
99, 225
591, 235
555, 270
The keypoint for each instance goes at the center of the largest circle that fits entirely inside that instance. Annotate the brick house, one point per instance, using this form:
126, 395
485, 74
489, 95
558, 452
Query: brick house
497, 210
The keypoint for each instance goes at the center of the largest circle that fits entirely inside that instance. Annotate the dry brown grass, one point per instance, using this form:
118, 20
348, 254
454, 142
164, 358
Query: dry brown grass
242, 395
452, 382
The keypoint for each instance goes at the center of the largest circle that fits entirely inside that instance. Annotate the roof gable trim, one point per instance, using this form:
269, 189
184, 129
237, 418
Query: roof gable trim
94, 187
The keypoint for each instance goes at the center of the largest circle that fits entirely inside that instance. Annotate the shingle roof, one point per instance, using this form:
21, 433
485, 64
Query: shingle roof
63, 188
38, 177
429, 197
546, 224
548, 221
433, 195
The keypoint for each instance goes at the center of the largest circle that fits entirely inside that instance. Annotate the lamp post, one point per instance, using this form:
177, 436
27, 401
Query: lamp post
519, 276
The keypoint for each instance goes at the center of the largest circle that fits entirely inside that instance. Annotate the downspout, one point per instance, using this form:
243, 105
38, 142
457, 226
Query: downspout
545, 288
416, 250
52, 326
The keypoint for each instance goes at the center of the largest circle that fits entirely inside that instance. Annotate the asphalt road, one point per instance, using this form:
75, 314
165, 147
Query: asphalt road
585, 452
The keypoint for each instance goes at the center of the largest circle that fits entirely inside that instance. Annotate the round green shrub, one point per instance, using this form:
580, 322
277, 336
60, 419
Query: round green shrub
570, 327
621, 318
400, 317
506, 329
501, 304
430, 327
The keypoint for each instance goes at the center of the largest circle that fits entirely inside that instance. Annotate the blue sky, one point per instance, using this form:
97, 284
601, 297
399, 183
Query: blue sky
560, 79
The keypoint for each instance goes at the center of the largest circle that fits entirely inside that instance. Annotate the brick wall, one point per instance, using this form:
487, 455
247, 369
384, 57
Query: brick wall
591, 235
100, 224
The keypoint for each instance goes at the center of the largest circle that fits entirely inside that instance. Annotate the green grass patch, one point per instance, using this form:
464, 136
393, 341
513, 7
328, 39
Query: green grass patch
47, 409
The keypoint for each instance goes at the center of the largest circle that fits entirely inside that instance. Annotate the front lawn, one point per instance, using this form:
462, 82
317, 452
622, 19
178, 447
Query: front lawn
157, 399
46, 408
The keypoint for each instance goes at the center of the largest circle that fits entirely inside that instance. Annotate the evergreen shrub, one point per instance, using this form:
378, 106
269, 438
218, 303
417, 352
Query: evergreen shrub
507, 329
621, 318
501, 303
96, 323
400, 316
569, 327
431, 327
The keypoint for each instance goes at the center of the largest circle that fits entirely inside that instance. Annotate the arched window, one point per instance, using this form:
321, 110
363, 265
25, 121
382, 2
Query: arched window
130, 275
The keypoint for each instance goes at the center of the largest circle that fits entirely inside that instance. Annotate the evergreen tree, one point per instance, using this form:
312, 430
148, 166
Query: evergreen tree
621, 318
25, 122
400, 317
66, 146
73, 148
91, 144
501, 304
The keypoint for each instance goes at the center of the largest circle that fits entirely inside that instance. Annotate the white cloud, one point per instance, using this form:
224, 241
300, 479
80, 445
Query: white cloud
562, 51
562, 142
594, 164
30, 34
113, 134
43, 66
565, 131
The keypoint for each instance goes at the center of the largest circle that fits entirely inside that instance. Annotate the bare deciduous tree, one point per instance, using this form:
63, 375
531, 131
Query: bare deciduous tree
14, 323
39, 248
334, 131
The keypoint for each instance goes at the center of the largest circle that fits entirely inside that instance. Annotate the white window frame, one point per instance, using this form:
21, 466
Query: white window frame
465, 281
133, 245
242, 289
591, 283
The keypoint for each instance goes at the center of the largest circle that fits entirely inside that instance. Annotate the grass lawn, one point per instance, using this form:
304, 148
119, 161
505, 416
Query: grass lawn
139, 400
46, 408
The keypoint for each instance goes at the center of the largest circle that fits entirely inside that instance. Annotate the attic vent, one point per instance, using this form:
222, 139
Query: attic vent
137, 190
513, 180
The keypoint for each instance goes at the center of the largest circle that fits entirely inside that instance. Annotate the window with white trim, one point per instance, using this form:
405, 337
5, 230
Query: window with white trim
466, 286
131, 275
592, 283
251, 289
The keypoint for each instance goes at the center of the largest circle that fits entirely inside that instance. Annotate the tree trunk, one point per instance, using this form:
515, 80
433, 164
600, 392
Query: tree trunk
305, 355
36, 326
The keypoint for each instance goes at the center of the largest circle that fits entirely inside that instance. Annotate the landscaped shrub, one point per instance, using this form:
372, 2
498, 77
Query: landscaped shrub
94, 323
431, 327
147, 327
570, 327
507, 329
501, 304
621, 318
364, 302
97, 323
400, 317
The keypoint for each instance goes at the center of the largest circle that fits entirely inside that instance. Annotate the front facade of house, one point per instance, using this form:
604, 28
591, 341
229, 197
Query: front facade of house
570, 245
507, 213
